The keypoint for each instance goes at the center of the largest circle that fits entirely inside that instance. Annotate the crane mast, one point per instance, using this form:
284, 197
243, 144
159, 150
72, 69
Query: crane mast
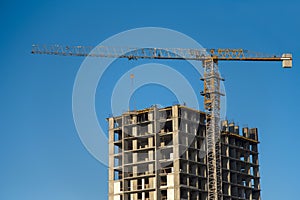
212, 101
211, 77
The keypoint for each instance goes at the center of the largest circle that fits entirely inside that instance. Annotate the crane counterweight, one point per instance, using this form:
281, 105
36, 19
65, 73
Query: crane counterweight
287, 60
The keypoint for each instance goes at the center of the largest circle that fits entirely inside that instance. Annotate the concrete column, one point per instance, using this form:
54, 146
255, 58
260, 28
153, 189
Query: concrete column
111, 158
156, 181
176, 163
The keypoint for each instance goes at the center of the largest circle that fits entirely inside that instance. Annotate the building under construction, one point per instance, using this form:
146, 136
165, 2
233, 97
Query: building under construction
160, 154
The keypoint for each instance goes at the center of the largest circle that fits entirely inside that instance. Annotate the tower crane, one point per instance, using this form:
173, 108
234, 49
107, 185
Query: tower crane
211, 92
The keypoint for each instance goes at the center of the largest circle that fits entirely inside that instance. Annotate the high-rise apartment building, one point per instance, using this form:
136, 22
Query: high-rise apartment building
160, 154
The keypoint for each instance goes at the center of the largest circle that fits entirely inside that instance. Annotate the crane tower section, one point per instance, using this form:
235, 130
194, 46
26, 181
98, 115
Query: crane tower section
212, 96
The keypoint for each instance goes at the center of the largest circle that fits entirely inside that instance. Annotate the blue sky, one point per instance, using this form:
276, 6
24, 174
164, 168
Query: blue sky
42, 156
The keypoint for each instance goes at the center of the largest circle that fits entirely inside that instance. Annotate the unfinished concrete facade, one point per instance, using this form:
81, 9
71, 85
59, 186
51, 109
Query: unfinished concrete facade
159, 154
240, 168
